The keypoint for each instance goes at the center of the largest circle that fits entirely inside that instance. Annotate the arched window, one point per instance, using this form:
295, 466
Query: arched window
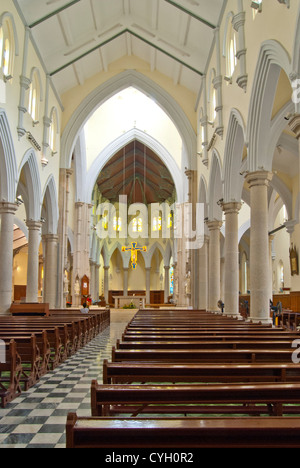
212, 98
213, 103
34, 97
157, 224
230, 48
7, 48
137, 225
53, 130
117, 224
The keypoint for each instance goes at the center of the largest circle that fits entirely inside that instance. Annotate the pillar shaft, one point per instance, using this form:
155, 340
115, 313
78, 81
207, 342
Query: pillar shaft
167, 284
231, 289
259, 246
7, 212
50, 280
214, 265
34, 238
203, 275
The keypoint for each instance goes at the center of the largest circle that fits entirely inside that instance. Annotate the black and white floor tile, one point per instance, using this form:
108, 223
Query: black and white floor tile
37, 418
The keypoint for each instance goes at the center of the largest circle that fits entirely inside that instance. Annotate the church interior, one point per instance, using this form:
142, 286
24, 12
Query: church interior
149, 174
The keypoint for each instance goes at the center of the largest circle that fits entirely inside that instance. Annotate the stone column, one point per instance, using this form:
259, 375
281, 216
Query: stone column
148, 285
97, 281
64, 190
167, 284
7, 212
34, 239
175, 293
92, 278
231, 286
81, 259
203, 275
271, 238
106, 283
125, 289
259, 246
50, 278
214, 265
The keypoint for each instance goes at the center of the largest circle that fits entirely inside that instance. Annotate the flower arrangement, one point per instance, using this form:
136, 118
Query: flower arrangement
130, 306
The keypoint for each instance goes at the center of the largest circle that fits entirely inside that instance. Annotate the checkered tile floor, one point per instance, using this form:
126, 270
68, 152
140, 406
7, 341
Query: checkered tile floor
37, 418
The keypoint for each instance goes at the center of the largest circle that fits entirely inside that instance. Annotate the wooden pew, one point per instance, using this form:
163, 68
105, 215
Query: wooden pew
10, 373
201, 334
26, 346
126, 372
30, 358
255, 355
228, 344
53, 336
231, 399
211, 338
183, 433
30, 309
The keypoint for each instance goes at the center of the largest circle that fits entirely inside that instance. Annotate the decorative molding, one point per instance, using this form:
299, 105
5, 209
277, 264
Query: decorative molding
212, 141
33, 141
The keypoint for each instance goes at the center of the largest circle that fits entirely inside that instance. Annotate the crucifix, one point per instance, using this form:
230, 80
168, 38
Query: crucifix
134, 251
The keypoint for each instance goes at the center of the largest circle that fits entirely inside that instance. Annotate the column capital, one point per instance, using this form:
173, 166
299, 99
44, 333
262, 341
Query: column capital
189, 173
106, 268
231, 207
259, 178
50, 237
214, 225
290, 225
8, 208
33, 225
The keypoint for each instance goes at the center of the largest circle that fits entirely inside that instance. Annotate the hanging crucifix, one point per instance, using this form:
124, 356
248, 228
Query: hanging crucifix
134, 253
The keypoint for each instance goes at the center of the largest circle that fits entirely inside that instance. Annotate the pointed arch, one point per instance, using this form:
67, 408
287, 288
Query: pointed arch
8, 164
50, 199
33, 185
124, 140
124, 255
149, 256
296, 55
215, 187
234, 147
272, 58
109, 89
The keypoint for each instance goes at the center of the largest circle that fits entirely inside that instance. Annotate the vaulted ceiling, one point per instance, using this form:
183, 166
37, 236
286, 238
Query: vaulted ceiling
137, 172
80, 38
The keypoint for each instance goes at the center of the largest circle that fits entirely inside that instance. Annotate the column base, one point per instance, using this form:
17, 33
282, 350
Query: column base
266, 321
235, 316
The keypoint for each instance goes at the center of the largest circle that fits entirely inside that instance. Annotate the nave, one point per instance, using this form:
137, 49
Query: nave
37, 418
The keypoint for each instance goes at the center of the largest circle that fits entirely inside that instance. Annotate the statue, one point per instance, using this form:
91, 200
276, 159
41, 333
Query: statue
77, 287
66, 283
188, 284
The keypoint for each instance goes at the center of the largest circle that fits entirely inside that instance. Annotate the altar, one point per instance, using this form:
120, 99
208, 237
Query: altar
138, 301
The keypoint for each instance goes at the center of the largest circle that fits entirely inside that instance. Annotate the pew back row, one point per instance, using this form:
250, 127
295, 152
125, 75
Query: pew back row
215, 365
37, 345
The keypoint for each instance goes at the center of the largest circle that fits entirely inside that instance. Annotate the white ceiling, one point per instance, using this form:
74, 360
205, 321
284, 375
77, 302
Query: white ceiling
80, 38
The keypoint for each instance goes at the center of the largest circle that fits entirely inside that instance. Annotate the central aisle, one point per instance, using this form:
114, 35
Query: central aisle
37, 418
